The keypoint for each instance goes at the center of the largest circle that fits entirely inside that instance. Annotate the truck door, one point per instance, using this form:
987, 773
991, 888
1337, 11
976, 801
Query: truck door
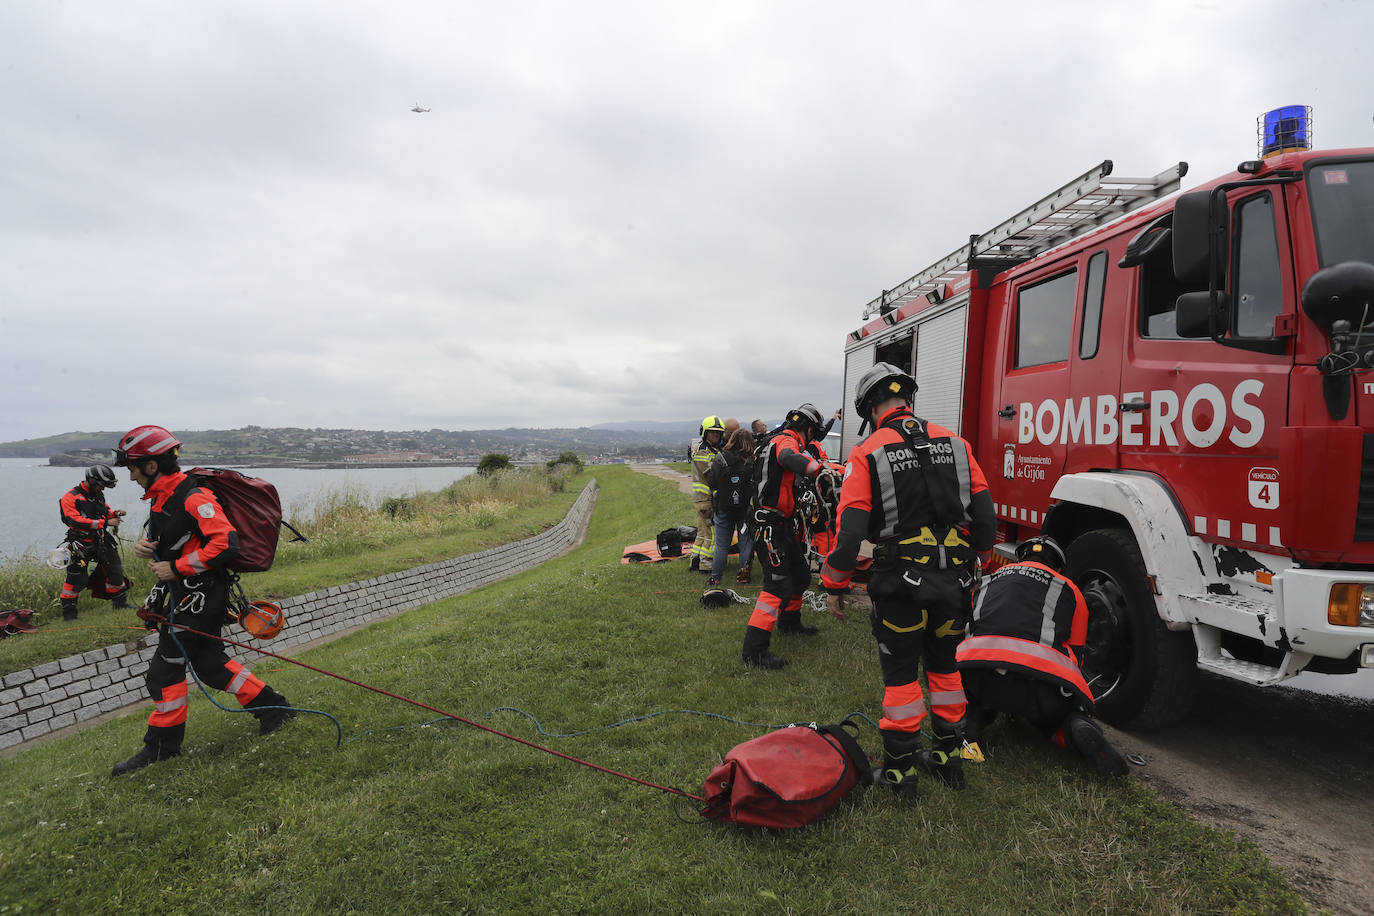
1206, 417
1034, 412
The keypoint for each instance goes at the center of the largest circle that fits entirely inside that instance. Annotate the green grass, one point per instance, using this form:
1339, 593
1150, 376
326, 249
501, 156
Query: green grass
447, 818
348, 540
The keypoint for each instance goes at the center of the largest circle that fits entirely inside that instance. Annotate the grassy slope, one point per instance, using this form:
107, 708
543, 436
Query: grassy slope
297, 571
451, 819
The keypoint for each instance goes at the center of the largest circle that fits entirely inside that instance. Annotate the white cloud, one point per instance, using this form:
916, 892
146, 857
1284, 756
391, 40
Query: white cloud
211, 217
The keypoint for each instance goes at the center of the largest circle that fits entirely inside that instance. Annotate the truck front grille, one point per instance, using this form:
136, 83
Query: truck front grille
1364, 513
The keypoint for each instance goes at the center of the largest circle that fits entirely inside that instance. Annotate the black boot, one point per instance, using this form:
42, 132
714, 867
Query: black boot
791, 622
121, 601
756, 652
147, 754
898, 771
943, 760
68, 608
271, 710
1085, 736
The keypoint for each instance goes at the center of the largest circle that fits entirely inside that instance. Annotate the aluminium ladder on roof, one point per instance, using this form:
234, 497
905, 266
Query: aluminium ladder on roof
1088, 201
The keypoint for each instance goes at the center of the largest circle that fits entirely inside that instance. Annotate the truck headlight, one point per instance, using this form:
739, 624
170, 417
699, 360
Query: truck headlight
1350, 605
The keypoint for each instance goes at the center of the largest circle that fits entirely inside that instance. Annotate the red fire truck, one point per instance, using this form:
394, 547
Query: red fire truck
1174, 387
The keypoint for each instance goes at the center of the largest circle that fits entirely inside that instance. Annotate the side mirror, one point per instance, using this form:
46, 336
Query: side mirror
1342, 292
1193, 314
1192, 225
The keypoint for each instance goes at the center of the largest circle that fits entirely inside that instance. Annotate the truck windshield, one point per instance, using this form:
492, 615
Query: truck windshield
1343, 211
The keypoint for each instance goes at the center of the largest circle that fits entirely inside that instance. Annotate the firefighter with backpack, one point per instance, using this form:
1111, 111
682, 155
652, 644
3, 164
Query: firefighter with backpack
783, 469
703, 452
914, 489
731, 477
189, 542
1019, 658
92, 537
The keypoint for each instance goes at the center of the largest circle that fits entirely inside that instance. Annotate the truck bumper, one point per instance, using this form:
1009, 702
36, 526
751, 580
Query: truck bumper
1303, 596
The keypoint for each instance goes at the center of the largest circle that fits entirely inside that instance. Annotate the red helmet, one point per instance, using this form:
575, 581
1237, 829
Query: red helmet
144, 442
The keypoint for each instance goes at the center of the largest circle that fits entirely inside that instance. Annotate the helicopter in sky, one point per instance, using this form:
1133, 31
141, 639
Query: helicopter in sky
417, 109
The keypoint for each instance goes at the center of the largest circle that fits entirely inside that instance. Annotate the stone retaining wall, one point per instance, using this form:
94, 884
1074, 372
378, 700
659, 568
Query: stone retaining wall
39, 700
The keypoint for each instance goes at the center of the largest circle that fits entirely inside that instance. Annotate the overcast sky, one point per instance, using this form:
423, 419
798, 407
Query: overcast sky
215, 215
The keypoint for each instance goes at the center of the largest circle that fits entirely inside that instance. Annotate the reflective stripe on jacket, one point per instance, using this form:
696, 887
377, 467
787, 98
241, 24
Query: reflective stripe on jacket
891, 493
1025, 617
84, 512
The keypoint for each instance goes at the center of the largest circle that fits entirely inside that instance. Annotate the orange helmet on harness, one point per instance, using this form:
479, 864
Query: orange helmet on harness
263, 619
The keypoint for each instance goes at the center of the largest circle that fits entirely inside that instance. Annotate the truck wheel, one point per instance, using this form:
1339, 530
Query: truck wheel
1141, 673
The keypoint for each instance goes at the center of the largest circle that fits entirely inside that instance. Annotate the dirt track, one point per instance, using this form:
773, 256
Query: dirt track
1289, 769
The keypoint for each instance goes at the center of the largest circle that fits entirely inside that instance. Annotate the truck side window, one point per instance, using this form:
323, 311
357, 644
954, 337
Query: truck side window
1259, 285
1044, 320
1159, 292
1092, 306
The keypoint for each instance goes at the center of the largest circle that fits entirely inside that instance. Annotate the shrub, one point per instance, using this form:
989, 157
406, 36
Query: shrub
566, 459
490, 464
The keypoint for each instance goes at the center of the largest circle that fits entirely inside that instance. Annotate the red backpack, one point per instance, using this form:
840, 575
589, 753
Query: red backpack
254, 508
786, 778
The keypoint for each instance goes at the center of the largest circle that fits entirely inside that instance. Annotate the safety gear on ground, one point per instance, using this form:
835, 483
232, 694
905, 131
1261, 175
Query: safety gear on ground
1085, 736
145, 442
1044, 550
146, 755
755, 651
881, 382
16, 621
101, 474
786, 778
944, 759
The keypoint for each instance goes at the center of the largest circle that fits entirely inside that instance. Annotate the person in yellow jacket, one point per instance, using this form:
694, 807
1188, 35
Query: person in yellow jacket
703, 453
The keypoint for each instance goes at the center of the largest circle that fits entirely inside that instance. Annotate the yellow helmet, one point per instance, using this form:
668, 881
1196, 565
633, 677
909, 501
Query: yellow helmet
710, 423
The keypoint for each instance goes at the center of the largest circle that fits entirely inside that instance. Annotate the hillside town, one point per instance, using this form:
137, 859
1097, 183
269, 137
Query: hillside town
267, 447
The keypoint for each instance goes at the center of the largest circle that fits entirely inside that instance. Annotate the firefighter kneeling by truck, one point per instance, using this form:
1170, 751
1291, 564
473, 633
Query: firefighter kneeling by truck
1017, 658
915, 491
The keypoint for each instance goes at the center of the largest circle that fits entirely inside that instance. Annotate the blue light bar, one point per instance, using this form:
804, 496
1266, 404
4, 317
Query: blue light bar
1284, 129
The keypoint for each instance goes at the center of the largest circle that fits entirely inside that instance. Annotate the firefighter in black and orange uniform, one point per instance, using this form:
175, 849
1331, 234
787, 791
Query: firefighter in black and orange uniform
91, 537
188, 544
783, 469
915, 491
1019, 658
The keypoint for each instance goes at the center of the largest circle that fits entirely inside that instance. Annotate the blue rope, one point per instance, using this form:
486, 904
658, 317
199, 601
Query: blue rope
191, 669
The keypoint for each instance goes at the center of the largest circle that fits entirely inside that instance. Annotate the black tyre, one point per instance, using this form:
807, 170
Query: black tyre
1141, 673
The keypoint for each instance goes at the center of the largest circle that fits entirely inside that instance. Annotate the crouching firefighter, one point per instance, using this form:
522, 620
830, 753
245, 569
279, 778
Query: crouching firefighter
1019, 658
92, 537
915, 491
784, 467
189, 543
